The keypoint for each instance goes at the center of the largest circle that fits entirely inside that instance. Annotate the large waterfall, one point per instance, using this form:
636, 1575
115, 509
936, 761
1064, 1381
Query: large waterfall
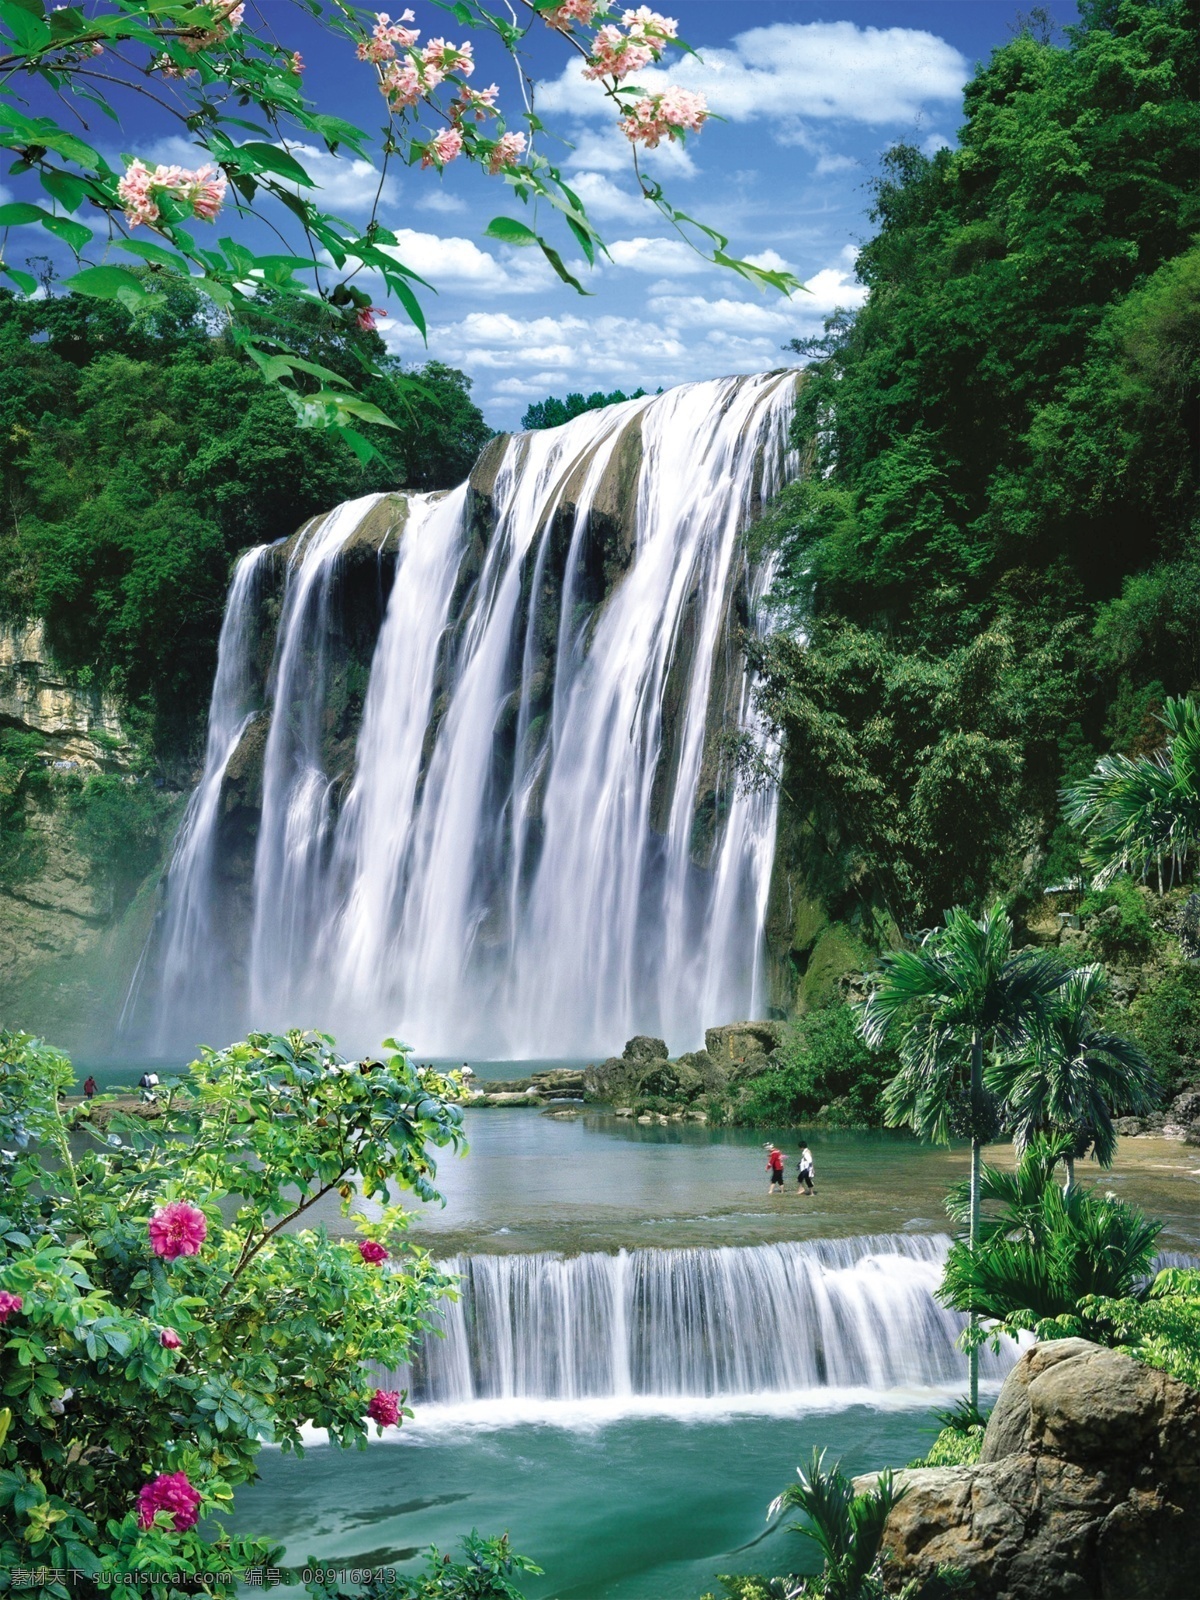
534, 843
771, 1319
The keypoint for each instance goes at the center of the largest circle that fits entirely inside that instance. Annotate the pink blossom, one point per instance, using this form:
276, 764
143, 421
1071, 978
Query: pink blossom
442, 57
481, 102
444, 148
169, 1339
646, 24
386, 35
666, 115
203, 190
506, 152
296, 63
171, 1492
615, 56
178, 1229
225, 23
400, 86
371, 1252
365, 319
581, 11
8, 1304
385, 1408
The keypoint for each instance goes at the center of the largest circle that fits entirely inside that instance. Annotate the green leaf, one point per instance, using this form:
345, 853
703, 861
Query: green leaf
152, 252
363, 448
510, 231
269, 158
76, 235
334, 131
556, 261
106, 283
65, 187
19, 213
29, 29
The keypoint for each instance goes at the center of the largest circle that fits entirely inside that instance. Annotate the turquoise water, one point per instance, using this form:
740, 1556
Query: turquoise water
646, 1508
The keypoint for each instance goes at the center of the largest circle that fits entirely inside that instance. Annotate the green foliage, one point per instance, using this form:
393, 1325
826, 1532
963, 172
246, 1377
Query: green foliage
1004, 464
846, 1526
821, 1062
1118, 922
487, 1571
953, 1447
139, 457
1160, 1327
1137, 812
1075, 1075
747, 1587
278, 1325
1042, 1250
552, 412
120, 824
1167, 1023
23, 780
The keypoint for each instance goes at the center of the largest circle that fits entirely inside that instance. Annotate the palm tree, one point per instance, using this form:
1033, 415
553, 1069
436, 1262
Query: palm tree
1046, 1248
963, 995
845, 1526
1076, 1075
1137, 811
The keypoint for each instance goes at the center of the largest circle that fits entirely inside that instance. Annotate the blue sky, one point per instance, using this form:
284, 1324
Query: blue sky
812, 94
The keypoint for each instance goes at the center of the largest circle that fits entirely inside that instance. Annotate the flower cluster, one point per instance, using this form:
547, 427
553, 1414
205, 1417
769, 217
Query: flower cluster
386, 35
617, 55
140, 189
371, 1252
506, 152
364, 320
666, 115
479, 103
227, 22
178, 1229
385, 1408
445, 147
570, 11
8, 1304
170, 1491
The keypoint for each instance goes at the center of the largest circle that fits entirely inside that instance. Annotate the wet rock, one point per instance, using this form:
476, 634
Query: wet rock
670, 1080
732, 1044
609, 1079
643, 1048
1087, 1488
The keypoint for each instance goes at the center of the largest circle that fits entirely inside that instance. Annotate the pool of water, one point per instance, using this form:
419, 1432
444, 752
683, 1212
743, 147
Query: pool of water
631, 1508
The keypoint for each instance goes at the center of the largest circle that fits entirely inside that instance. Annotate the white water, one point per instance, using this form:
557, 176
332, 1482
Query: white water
516, 868
697, 1329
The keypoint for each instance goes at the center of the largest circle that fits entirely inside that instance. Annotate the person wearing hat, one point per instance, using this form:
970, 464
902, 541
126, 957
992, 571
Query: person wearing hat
774, 1168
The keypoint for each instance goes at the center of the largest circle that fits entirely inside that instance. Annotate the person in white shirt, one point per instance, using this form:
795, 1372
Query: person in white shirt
804, 1175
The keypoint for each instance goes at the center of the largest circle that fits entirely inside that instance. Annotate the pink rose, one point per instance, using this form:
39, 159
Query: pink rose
385, 1408
371, 1252
169, 1339
178, 1229
8, 1304
171, 1492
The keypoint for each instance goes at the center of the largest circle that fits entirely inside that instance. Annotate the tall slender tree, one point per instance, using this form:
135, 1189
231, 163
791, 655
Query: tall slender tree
1075, 1077
963, 996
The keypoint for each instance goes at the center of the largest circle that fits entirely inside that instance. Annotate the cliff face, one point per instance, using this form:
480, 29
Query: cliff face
70, 925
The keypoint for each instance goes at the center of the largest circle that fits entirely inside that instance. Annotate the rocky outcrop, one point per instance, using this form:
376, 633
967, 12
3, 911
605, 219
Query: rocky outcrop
1087, 1488
81, 725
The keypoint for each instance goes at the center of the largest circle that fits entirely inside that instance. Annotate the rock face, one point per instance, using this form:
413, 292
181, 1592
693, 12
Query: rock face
1088, 1488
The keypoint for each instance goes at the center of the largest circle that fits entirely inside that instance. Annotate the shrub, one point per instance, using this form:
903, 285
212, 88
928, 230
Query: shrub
1160, 1327
953, 1448
1118, 923
822, 1060
163, 1315
1167, 1022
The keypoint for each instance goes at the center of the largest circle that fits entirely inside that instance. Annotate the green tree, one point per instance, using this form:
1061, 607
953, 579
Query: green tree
846, 1526
963, 996
166, 1310
552, 412
1136, 812
1075, 1075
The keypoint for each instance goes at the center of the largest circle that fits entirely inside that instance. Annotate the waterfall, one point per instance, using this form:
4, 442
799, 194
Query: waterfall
538, 847
842, 1314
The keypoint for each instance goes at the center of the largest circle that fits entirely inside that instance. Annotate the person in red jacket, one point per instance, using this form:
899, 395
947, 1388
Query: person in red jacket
774, 1168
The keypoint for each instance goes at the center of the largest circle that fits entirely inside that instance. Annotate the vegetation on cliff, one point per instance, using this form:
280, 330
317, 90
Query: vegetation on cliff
995, 550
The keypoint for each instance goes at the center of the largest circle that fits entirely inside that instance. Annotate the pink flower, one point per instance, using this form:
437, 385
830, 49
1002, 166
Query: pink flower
442, 57
645, 24
581, 11
169, 1339
296, 63
506, 152
171, 1492
481, 102
371, 1252
385, 1408
444, 148
226, 22
615, 56
8, 1304
666, 115
178, 1229
139, 189
400, 86
365, 319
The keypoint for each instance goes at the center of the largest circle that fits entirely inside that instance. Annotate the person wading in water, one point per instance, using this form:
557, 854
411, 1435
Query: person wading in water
804, 1173
775, 1168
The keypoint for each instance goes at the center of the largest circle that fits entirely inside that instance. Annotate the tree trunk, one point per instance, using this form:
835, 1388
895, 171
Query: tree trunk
1069, 1162
976, 1160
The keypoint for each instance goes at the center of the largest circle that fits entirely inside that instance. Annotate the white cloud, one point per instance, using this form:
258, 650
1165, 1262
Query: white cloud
657, 256
438, 200
343, 183
451, 262
799, 69
606, 201
769, 260
934, 143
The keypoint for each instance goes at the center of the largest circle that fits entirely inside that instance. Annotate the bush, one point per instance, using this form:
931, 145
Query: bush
1160, 1327
120, 824
822, 1062
1118, 923
164, 1318
953, 1448
1167, 1024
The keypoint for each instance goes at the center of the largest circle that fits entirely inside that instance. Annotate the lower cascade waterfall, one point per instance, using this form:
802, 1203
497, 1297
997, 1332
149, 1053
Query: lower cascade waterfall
763, 1319
526, 837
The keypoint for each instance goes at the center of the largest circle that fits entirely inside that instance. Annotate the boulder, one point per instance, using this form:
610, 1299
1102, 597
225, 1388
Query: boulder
610, 1078
1185, 1107
1087, 1488
643, 1048
670, 1080
732, 1044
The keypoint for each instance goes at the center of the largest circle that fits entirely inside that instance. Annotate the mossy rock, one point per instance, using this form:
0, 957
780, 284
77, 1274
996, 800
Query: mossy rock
836, 953
671, 1080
